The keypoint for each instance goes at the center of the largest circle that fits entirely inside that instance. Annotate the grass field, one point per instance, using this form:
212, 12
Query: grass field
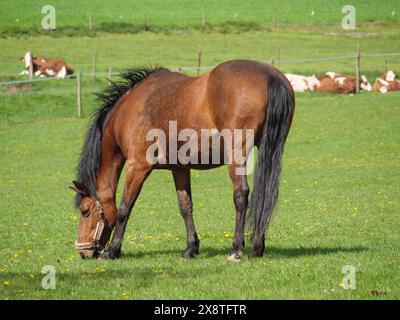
167, 15
339, 199
339, 205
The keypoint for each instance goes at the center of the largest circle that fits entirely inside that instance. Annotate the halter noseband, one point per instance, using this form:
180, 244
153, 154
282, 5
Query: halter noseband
98, 232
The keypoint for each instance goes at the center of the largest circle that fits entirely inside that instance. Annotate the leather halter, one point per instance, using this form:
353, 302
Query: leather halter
98, 232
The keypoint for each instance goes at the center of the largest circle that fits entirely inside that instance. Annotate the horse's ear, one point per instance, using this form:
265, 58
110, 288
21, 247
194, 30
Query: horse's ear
79, 188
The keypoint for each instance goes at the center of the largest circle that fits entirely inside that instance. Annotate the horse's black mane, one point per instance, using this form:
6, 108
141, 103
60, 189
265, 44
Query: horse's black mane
89, 163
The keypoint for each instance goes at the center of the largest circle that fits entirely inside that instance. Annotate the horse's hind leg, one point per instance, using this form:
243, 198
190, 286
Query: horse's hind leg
134, 180
240, 199
183, 191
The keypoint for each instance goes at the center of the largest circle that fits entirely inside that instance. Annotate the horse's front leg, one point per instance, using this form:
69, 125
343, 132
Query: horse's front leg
133, 184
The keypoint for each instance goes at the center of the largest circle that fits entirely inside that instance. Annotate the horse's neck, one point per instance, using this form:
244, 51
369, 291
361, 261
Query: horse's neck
111, 164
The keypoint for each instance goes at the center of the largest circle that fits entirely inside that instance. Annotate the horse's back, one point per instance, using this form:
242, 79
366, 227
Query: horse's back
247, 70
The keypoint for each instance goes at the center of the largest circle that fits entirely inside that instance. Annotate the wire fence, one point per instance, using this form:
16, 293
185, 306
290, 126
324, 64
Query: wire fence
276, 61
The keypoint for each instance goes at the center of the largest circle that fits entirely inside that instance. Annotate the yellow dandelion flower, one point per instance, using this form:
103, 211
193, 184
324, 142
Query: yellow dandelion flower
6, 283
125, 295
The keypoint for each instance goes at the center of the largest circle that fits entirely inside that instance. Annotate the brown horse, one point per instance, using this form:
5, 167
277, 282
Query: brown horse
236, 95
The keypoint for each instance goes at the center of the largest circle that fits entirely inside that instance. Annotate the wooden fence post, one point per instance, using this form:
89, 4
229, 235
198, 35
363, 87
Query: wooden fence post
145, 28
358, 65
272, 62
204, 18
90, 23
278, 56
274, 20
198, 62
79, 94
30, 73
30, 70
94, 65
109, 74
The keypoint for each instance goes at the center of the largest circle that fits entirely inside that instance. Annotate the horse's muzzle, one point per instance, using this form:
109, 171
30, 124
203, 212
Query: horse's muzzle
89, 254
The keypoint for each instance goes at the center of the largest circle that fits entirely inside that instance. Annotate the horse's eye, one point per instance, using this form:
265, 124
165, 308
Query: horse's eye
85, 213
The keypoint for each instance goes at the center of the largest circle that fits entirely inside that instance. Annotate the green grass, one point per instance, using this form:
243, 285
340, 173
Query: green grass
339, 199
21, 16
338, 205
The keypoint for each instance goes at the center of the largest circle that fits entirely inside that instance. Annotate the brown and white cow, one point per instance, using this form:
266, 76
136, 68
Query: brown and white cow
302, 83
338, 83
27, 59
43, 67
386, 82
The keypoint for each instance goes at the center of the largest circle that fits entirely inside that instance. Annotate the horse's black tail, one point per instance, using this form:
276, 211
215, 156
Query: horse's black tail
270, 148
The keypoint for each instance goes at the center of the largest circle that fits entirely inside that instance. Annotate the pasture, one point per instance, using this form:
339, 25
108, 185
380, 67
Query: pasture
338, 202
170, 16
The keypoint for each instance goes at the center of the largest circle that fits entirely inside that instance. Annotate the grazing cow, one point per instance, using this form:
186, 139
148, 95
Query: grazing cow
46, 67
302, 83
339, 83
386, 82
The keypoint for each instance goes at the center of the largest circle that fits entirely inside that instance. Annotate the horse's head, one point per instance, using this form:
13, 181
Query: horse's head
93, 228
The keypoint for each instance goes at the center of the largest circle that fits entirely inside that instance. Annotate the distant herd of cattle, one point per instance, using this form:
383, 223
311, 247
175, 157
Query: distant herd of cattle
338, 83
329, 82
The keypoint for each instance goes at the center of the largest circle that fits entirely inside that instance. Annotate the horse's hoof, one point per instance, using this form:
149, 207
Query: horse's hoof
256, 254
187, 255
235, 256
107, 255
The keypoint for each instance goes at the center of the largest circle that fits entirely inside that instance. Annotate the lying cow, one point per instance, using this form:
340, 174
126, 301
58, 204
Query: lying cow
386, 82
27, 58
43, 67
339, 83
302, 83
